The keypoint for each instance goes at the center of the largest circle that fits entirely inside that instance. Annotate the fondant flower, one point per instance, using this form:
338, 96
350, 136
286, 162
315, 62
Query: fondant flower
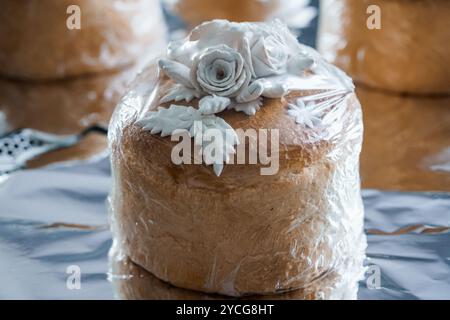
269, 56
307, 114
220, 70
239, 61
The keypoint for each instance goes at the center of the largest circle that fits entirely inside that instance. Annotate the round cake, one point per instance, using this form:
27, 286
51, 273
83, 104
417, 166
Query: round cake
394, 45
40, 39
228, 224
194, 12
64, 107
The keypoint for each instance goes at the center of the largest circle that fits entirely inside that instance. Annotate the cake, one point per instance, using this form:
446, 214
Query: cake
194, 12
65, 107
227, 226
408, 53
39, 39
412, 135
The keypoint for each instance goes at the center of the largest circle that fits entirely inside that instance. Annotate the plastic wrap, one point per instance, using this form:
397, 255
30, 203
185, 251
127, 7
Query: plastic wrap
410, 52
244, 233
36, 43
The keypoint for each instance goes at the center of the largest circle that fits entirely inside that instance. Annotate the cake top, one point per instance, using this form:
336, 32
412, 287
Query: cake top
223, 66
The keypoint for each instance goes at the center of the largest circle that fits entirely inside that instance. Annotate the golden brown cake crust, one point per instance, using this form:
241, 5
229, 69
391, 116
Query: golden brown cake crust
195, 12
410, 53
36, 44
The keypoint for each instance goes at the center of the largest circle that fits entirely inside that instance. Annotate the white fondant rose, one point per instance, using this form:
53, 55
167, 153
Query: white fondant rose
220, 70
269, 56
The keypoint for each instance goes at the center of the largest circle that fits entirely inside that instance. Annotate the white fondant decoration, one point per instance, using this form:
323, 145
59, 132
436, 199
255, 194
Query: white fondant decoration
251, 93
217, 139
305, 114
166, 121
240, 61
178, 72
249, 108
235, 65
200, 126
178, 92
213, 104
220, 70
269, 56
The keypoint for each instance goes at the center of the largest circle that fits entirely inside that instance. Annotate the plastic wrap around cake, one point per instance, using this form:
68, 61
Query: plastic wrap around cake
235, 164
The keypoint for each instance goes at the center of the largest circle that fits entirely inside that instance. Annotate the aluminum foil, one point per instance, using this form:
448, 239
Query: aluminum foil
53, 223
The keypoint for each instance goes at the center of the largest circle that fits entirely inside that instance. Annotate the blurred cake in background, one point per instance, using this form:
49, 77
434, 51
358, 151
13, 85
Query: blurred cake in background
398, 52
64, 107
295, 13
394, 45
406, 142
61, 80
37, 42
194, 12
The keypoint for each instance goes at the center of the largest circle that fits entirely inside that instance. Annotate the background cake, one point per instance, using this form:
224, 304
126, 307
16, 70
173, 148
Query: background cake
406, 142
35, 42
64, 107
194, 12
409, 53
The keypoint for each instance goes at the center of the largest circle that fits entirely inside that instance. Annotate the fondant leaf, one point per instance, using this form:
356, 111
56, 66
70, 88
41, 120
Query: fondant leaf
218, 139
249, 108
251, 93
178, 72
166, 121
179, 92
213, 104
